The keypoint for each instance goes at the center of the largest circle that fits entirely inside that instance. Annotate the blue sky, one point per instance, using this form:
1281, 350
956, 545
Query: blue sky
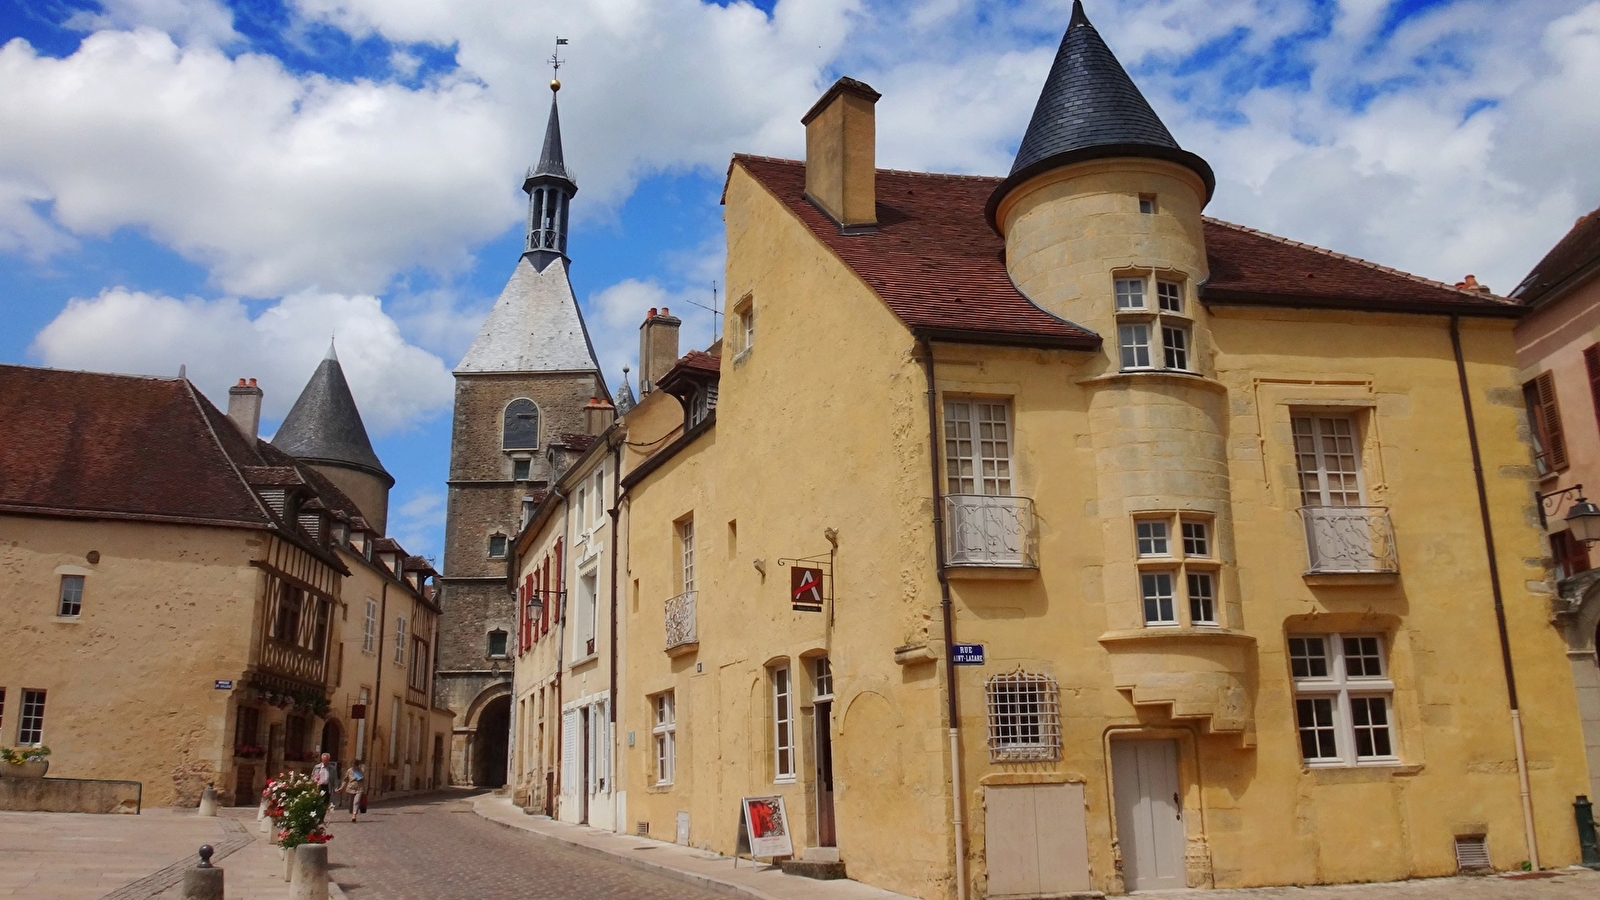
223, 185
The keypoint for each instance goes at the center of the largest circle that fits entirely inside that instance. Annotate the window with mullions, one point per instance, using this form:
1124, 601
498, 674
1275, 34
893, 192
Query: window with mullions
30, 725
666, 738
1171, 557
977, 447
71, 596
1344, 700
783, 761
1152, 337
1024, 710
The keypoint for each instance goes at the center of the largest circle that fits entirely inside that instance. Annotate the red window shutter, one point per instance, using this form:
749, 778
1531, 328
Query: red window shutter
1591, 359
1571, 556
1556, 449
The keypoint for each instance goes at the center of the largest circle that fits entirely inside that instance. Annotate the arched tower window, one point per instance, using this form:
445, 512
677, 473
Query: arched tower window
521, 425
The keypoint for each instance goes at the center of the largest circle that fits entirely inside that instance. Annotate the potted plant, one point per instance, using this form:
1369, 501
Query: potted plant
24, 762
298, 809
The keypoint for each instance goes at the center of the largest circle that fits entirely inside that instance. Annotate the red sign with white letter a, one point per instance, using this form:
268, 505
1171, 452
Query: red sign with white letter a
805, 589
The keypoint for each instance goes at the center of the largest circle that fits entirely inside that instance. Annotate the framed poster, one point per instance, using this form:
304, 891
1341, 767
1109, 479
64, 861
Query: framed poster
768, 824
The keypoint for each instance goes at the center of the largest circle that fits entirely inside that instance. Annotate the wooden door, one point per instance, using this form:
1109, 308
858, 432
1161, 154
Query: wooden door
1035, 841
826, 836
583, 774
1144, 776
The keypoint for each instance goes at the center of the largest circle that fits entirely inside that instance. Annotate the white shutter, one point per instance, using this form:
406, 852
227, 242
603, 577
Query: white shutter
569, 751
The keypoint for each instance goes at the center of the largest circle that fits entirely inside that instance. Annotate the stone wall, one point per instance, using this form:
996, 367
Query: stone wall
73, 795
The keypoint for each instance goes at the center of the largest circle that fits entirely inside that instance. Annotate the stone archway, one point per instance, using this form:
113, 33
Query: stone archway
1578, 613
491, 740
332, 739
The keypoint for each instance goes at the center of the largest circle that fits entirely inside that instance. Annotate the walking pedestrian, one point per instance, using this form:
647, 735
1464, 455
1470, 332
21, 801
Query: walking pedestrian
355, 785
322, 776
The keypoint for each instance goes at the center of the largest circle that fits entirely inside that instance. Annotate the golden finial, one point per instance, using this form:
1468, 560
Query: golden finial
555, 84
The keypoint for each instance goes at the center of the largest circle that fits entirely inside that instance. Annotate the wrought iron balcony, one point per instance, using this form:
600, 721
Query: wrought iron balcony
1349, 540
990, 531
681, 632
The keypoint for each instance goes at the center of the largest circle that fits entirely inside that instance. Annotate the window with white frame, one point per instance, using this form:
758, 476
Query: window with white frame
1024, 710
1343, 699
822, 679
666, 737
783, 762
686, 554
588, 614
1176, 550
1153, 336
1328, 461
400, 641
30, 723
369, 627
71, 596
599, 496
744, 320
977, 442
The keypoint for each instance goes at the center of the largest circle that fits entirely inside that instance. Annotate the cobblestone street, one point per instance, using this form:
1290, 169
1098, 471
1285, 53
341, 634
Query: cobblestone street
436, 848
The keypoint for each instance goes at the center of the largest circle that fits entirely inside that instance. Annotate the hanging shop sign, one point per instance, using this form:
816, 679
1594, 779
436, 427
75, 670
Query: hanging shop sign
767, 823
966, 654
805, 589
358, 710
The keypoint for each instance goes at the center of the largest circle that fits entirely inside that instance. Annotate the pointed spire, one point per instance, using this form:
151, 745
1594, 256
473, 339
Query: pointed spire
324, 425
625, 399
331, 354
550, 190
1091, 109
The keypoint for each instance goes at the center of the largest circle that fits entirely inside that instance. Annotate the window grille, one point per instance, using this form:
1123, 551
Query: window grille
1024, 717
1472, 853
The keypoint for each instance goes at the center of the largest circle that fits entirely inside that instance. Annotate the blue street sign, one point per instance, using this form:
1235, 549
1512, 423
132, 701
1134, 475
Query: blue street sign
967, 654
224, 685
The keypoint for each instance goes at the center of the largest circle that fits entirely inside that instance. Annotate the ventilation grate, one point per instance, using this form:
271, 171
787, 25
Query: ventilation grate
1472, 853
642, 829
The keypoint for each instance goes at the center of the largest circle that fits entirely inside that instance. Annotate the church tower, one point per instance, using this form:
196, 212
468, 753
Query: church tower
520, 388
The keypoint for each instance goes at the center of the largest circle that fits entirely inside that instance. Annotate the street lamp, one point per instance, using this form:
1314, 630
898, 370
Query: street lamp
1582, 518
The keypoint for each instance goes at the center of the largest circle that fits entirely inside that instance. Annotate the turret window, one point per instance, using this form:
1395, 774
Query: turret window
1172, 558
1152, 338
1147, 204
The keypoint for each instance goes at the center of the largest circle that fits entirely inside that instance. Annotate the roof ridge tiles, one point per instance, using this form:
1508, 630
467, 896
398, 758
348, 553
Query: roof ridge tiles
1482, 296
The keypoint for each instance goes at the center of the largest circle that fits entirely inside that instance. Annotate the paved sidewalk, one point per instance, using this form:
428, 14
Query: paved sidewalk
73, 856
716, 872
698, 867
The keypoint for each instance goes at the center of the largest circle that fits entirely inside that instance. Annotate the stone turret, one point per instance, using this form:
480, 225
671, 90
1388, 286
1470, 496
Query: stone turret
324, 429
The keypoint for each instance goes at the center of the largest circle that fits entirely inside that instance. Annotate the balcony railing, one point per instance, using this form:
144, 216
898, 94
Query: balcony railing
990, 531
1349, 539
680, 621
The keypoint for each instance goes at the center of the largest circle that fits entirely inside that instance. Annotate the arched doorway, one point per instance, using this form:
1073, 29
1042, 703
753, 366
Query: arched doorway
332, 739
490, 741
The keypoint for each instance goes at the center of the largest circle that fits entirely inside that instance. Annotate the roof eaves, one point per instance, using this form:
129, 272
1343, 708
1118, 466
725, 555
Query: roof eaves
1091, 341
1215, 297
668, 452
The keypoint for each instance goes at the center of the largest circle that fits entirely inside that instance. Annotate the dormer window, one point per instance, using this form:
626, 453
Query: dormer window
341, 534
1152, 337
701, 403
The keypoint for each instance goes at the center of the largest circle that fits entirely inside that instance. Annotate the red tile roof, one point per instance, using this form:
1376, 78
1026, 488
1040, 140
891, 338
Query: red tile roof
85, 443
1575, 257
941, 269
932, 258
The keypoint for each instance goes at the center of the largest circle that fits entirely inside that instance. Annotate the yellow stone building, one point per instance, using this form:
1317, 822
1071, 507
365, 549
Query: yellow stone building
1240, 529
187, 604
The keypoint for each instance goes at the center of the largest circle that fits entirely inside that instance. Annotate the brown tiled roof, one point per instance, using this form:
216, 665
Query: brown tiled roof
578, 442
1254, 267
941, 269
694, 366
85, 443
934, 261
1569, 262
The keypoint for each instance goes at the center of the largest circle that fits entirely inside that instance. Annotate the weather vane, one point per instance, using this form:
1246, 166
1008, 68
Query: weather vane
555, 64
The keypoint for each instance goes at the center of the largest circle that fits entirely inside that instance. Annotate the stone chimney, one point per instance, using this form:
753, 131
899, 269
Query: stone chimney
841, 154
658, 347
1470, 283
244, 407
598, 415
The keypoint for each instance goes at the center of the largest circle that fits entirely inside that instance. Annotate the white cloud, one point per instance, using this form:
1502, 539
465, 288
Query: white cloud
418, 522
613, 317
220, 341
188, 21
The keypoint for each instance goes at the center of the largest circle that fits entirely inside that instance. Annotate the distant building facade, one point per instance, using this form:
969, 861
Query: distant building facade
521, 387
189, 604
1558, 357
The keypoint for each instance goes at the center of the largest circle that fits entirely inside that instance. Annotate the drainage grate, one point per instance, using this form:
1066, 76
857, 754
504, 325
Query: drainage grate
1472, 853
642, 829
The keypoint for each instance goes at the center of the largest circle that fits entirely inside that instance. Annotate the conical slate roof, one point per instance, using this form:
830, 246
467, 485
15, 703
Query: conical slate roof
324, 425
625, 399
552, 160
1091, 109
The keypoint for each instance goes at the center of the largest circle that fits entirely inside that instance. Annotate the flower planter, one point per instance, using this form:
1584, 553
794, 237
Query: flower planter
32, 769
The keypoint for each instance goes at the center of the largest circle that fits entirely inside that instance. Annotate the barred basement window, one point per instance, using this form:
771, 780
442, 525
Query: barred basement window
1024, 717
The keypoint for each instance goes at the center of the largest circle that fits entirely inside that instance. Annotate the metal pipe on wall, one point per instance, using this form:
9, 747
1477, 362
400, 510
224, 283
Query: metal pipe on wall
1499, 600
958, 804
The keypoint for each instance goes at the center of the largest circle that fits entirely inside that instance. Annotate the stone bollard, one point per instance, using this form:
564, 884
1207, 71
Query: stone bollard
204, 881
310, 873
208, 801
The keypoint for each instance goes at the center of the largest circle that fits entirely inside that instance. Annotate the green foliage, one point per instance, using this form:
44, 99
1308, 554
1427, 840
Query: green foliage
297, 802
23, 754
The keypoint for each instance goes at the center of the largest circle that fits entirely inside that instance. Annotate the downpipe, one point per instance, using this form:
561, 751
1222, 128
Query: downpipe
1530, 835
